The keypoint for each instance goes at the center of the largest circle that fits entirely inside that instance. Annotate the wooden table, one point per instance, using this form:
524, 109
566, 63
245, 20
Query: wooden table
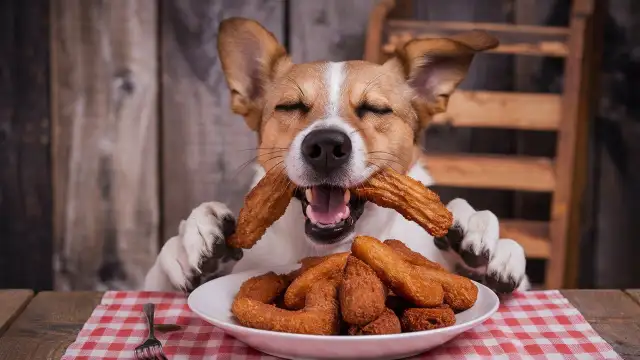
52, 320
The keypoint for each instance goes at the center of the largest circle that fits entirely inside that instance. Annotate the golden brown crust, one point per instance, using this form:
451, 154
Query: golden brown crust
329, 269
420, 319
263, 205
362, 295
459, 292
264, 288
402, 277
320, 316
386, 323
411, 256
408, 197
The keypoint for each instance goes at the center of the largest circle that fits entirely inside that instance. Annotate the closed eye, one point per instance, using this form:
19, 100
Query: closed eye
291, 107
365, 108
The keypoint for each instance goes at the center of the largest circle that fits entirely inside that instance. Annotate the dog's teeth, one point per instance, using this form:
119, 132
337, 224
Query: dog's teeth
347, 196
309, 195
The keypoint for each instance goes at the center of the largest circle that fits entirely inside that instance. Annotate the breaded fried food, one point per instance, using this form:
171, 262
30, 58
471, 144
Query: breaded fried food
264, 288
330, 268
306, 264
263, 205
420, 319
403, 278
411, 256
459, 292
320, 316
362, 295
386, 323
409, 197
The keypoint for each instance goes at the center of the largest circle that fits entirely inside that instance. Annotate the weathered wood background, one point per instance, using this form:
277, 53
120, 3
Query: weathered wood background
114, 124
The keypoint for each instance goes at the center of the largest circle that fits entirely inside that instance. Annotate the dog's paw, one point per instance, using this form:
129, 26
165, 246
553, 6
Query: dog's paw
199, 252
473, 247
506, 270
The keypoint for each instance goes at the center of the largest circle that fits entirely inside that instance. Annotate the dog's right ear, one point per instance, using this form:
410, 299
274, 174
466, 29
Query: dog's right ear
251, 57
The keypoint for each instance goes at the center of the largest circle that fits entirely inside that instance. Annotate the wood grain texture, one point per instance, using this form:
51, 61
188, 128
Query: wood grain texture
25, 167
509, 110
13, 302
331, 30
571, 160
603, 304
613, 315
532, 235
635, 294
104, 71
491, 171
514, 39
204, 145
48, 325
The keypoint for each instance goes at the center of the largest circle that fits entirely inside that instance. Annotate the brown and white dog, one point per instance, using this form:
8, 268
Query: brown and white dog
330, 125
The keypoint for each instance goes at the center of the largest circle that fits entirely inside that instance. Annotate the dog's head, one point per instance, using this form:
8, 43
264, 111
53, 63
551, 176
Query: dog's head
331, 125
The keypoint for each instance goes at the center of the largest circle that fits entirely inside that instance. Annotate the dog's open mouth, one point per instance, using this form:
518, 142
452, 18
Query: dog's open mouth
331, 212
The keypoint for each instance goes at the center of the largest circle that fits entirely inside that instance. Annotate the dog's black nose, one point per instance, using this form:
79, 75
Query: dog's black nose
326, 149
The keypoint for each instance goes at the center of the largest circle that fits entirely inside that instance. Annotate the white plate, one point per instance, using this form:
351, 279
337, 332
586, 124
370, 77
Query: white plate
212, 301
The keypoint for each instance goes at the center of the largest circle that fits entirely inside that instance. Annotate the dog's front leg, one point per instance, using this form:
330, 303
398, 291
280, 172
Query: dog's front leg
474, 249
199, 253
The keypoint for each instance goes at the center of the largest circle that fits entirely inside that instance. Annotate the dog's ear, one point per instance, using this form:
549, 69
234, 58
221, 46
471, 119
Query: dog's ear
435, 67
251, 57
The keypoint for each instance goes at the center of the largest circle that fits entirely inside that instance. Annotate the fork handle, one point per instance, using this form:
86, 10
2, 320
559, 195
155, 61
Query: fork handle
149, 310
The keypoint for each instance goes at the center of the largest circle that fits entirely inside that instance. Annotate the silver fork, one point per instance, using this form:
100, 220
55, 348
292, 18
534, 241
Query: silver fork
151, 349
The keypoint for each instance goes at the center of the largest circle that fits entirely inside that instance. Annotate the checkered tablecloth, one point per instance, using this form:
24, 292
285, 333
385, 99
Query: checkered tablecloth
532, 325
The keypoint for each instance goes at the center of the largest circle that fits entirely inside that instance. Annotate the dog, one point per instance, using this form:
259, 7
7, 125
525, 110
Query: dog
329, 126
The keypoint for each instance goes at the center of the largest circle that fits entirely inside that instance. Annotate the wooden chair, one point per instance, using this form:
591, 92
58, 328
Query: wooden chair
568, 113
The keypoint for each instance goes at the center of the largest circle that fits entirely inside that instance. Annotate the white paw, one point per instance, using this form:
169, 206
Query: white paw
475, 250
506, 270
199, 252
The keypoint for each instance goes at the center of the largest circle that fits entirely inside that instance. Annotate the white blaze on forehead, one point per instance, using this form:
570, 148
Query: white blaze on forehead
335, 78
357, 169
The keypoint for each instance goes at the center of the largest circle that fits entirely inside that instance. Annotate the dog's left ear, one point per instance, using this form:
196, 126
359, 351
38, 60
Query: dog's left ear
435, 67
251, 57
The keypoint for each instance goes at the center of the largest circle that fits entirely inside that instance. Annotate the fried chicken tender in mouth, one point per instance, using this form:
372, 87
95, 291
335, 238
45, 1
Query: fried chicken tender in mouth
409, 197
263, 205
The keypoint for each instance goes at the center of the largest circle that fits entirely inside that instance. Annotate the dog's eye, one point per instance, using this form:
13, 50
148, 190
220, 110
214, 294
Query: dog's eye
363, 109
290, 107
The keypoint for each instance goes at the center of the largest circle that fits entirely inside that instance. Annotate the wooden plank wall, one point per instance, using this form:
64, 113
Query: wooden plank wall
25, 168
105, 142
204, 145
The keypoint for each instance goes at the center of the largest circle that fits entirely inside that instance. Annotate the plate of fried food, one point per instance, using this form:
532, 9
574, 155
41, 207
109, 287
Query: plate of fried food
381, 300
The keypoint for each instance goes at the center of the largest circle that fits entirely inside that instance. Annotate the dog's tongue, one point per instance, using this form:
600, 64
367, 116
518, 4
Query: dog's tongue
327, 205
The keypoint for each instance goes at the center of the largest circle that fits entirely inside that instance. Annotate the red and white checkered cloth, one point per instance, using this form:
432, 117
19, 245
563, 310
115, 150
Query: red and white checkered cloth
532, 325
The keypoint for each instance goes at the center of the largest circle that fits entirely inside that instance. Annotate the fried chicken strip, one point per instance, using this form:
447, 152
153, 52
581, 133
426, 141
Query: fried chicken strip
263, 205
264, 288
330, 268
409, 197
403, 278
411, 256
320, 316
459, 292
420, 319
386, 323
362, 295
